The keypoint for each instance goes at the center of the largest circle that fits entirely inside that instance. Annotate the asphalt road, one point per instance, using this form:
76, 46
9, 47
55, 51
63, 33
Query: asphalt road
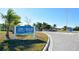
61, 41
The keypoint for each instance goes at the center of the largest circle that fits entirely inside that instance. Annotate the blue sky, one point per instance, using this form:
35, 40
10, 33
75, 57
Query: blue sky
59, 16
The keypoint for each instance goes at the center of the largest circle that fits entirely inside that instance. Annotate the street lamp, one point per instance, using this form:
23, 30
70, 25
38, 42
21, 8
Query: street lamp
28, 21
66, 20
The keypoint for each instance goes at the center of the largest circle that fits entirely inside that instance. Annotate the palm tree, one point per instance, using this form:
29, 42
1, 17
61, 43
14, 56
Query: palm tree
11, 19
39, 26
44, 25
54, 26
65, 28
76, 28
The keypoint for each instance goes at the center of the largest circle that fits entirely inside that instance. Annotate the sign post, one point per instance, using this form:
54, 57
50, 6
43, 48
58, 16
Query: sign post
15, 32
34, 35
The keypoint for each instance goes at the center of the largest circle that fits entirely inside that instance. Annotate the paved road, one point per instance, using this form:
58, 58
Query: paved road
64, 41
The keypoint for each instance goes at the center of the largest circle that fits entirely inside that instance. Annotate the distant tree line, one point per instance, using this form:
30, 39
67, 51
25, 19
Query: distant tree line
44, 26
76, 28
41, 27
47, 27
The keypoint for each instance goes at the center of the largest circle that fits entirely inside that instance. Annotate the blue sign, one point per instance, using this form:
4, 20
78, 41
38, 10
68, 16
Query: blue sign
70, 29
24, 30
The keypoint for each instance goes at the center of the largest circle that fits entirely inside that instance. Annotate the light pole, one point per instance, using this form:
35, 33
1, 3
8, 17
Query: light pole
28, 21
67, 20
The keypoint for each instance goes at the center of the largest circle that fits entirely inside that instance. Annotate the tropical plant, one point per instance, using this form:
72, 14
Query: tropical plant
44, 25
39, 26
76, 28
11, 19
54, 26
65, 28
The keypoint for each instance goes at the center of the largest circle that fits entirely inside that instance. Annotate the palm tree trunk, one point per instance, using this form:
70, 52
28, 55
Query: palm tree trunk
7, 33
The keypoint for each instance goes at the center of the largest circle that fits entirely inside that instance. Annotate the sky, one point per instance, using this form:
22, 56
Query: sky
58, 16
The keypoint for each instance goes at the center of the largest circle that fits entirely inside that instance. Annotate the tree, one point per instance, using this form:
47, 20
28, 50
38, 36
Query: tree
2, 27
54, 26
48, 27
76, 28
44, 25
39, 26
34, 24
65, 28
11, 19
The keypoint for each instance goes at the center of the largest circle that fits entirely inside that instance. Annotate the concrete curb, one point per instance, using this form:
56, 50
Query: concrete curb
46, 48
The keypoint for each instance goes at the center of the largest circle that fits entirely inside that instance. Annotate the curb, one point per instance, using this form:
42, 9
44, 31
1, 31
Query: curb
46, 48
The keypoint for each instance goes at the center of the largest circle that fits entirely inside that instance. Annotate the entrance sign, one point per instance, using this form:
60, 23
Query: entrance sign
69, 29
24, 30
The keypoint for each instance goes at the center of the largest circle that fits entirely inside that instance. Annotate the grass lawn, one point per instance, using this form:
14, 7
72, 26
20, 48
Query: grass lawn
2, 36
23, 43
